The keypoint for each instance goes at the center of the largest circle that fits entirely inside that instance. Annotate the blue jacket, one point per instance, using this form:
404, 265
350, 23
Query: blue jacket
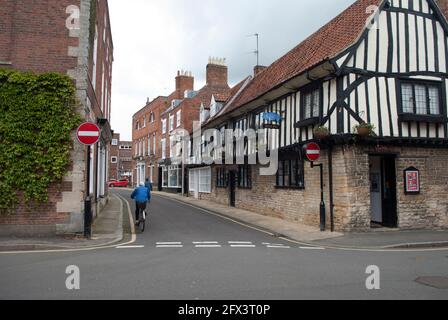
141, 194
148, 185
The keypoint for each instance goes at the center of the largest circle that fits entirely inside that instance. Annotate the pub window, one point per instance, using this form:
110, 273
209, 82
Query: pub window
421, 98
221, 178
290, 174
311, 104
244, 177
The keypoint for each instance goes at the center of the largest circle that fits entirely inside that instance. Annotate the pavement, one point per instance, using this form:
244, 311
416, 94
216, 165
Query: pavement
377, 239
107, 230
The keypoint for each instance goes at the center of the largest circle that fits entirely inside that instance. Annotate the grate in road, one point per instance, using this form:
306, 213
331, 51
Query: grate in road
434, 282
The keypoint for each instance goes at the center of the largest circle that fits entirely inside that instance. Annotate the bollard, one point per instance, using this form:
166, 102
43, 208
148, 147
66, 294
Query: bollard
88, 218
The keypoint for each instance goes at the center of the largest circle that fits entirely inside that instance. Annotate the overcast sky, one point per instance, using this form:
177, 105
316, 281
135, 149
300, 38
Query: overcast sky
155, 38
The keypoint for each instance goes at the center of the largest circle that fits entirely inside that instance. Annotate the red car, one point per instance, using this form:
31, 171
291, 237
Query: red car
118, 183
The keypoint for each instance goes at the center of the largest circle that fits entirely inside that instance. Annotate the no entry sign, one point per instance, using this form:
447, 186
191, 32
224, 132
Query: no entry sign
88, 133
312, 152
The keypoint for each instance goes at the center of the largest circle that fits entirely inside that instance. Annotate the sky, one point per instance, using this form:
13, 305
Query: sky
153, 39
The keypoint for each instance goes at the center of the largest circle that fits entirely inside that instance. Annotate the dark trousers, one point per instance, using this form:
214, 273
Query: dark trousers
139, 206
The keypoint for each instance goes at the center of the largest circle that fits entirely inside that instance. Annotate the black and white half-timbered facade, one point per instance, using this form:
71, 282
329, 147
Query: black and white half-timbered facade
380, 65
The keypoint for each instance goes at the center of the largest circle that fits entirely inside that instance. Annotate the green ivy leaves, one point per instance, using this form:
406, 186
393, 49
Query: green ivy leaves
37, 115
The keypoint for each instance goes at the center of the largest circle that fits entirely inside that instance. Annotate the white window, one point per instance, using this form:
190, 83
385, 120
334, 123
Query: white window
154, 145
171, 123
171, 146
205, 177
191, 180
174, 177
149, 145
115, 142
95, 57
143, 147
163, 126
178, 118
114, 160
163, 149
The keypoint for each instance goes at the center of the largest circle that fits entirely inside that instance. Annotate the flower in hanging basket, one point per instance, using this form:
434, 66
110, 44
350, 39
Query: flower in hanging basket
365, 129
321, 132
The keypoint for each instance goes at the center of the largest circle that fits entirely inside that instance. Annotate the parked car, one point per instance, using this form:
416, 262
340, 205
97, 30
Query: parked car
123, 183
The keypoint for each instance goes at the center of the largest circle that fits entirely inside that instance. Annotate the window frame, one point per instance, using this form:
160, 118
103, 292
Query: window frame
172, 123
287, 181
164, 126
414, 116
246, 172
222, 178
178, 118
112, 159
208, 184
310, 89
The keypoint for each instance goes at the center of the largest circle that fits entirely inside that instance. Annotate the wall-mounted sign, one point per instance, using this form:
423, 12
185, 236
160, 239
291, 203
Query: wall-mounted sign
412, 181
312, 152
272, 120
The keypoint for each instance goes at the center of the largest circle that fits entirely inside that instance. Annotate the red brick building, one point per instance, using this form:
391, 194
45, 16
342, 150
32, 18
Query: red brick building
74, 38
120, 159
146, 136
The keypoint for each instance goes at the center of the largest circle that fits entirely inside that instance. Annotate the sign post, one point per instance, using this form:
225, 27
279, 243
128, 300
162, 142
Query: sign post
312, 153
88, 134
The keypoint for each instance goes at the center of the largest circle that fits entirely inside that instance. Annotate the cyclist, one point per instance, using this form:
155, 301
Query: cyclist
142, 196
148, 184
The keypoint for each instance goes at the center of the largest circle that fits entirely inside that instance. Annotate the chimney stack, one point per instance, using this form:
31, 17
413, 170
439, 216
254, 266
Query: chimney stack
258, 69
217, 73
184, 82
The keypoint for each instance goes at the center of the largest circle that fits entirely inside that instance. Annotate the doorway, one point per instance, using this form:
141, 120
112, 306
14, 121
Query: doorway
383, 191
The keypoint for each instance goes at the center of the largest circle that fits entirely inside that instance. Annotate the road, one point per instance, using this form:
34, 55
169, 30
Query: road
189, 254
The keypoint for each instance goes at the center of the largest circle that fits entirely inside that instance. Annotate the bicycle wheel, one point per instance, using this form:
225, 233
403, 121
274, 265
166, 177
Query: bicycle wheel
143, 222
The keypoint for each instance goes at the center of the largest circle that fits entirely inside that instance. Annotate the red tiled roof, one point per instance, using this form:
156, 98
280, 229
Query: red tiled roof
326, 43
232, 94
221, 94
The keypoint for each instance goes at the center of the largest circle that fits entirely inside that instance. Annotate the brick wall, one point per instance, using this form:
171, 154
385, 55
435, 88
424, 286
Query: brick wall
37, 39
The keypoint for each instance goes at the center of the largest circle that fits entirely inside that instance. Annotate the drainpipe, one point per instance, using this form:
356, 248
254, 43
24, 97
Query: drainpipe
330, 174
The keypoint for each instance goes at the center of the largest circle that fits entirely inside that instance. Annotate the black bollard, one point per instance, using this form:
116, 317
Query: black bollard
88, 218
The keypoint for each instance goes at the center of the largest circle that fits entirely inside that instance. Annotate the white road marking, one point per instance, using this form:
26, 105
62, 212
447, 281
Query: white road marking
243, 246
169, 246
169, 243
312, 248
278, 247
208, 246
240, 242
205, 242
130, 247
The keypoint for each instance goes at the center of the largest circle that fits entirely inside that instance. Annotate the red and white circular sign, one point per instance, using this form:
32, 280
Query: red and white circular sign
88, 133
312, 151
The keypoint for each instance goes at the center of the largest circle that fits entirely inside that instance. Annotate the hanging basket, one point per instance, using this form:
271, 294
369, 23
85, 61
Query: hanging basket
321, 133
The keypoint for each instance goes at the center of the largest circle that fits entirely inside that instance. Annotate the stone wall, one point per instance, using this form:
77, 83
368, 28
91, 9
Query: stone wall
351, 189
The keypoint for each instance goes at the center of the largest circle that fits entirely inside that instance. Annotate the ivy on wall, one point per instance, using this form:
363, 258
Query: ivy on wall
37, 115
